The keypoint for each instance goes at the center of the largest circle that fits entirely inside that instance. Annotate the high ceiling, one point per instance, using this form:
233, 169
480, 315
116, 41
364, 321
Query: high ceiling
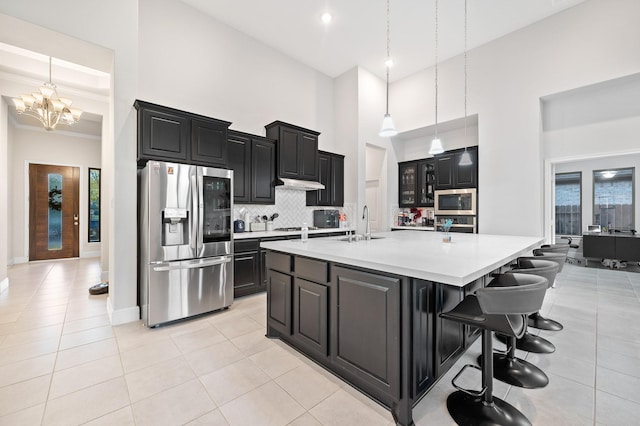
357, 33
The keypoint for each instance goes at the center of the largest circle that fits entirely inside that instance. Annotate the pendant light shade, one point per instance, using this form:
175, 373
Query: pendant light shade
465, 159
388, 128
436, 146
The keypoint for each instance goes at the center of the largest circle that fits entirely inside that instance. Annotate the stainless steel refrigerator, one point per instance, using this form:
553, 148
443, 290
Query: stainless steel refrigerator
186, 241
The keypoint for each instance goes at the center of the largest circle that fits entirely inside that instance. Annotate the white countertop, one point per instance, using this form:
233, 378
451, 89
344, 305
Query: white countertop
414, 228
267, 234
418, 254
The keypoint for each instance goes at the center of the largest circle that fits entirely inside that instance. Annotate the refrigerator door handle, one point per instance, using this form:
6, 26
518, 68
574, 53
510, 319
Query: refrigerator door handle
192, 265
195, 202
200, 206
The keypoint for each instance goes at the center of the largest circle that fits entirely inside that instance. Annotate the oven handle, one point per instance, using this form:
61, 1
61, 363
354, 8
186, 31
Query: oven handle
192, 265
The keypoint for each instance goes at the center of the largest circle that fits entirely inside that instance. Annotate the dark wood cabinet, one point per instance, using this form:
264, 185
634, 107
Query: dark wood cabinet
263, 167
253, 161
163, 134
311, 315
426, 183
331, 175
444, 164
246, 268
167, 134
209, 142
407, 183
449, 335
239, 155
449, 174
365, 328
297, 150
422, 330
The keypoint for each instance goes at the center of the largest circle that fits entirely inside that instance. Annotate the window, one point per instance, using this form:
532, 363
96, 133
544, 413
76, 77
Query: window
94, 205
569, 203
613, 203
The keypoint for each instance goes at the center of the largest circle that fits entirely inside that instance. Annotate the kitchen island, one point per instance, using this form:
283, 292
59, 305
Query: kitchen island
369, 310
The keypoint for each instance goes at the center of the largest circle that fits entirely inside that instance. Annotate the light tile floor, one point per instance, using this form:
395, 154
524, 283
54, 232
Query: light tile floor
61, 362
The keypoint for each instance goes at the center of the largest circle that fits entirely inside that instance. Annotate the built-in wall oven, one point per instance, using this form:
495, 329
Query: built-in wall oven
455, 202
465, 224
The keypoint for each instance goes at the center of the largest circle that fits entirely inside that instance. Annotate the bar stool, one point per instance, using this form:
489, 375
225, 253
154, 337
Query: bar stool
560, 257
545, 268
507, 367
493, 309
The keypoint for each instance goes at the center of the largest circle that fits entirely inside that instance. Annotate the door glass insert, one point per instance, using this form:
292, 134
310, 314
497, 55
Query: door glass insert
94, 205
216, 222
54, 221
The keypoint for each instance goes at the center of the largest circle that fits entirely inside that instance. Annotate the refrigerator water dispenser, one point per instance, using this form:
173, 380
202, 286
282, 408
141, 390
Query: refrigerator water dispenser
175, 227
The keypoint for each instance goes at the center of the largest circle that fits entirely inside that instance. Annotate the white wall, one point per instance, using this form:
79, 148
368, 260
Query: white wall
586, 167
194, 63
33, 145
507, 78
5, 225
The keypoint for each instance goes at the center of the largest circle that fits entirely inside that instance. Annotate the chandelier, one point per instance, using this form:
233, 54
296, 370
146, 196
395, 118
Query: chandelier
47, 107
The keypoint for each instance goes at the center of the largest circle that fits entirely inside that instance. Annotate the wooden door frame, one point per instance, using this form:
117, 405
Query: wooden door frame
27, 206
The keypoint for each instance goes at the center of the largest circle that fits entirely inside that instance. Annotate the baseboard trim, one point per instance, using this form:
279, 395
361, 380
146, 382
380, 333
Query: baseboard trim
122, 316
17, 260
4, 284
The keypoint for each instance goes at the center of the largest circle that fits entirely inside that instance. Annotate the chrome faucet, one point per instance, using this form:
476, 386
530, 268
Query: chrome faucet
367, 229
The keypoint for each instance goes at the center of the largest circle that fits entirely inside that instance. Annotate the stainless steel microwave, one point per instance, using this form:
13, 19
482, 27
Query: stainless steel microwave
455, 201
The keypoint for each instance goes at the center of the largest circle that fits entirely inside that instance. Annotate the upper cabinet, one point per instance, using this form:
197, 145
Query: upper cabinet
297, 150
418, 179
253, 160
168, 134
331, 175
449, 174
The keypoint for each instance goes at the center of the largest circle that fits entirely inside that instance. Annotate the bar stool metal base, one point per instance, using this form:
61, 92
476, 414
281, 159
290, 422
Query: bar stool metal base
517, 372
531, 343
469, 410
538, 321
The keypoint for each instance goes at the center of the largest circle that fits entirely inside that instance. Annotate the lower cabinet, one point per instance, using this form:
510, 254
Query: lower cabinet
311, 315
365, 329
246, 268
449, 335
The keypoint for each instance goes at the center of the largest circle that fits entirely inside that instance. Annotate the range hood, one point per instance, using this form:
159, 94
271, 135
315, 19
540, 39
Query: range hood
303, 185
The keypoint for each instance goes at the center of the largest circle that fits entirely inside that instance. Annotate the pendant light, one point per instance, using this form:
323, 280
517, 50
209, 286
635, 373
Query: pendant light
465, 158
388, 128
436, 143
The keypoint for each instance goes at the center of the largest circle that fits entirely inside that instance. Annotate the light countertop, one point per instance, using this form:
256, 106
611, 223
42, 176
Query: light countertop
414, 228
420, 255
268, 234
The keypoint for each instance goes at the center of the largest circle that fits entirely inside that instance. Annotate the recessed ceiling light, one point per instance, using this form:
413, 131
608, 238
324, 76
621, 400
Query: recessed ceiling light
326, 17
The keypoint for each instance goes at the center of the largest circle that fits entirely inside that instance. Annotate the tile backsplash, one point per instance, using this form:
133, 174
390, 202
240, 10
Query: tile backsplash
291, 208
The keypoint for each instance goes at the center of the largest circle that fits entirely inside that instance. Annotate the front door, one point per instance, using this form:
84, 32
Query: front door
53, 211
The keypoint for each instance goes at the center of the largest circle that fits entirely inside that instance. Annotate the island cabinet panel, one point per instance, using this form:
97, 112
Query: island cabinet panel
279, 301
311, 315
365, 329
449, 334
422, 320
